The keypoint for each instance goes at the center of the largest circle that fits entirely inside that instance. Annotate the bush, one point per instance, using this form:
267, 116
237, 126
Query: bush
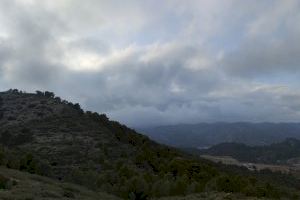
6, 137
32, 105
29, 164
227, 183
49, 94
11, 118
4, 182
39, 93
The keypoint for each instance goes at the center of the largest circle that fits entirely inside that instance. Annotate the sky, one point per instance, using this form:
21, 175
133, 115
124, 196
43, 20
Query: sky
153, 62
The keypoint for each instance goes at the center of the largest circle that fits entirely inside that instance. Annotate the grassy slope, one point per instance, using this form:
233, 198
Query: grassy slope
29, 186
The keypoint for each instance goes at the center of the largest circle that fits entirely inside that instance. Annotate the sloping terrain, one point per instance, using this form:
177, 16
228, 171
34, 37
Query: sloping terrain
60, 132
42, 134
19, 185
211, 196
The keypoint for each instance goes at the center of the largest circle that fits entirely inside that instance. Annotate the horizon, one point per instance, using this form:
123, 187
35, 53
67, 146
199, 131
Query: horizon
169, 125
193, 62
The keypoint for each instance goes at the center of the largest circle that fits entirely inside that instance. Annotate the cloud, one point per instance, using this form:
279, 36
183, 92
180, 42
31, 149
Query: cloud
271, 44
197, 61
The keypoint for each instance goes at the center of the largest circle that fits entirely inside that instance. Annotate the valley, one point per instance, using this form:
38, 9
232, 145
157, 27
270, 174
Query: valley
228, 160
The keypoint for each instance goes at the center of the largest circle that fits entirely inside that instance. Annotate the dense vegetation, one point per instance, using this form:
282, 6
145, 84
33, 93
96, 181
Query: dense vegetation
42, 134
204, 135
277, 153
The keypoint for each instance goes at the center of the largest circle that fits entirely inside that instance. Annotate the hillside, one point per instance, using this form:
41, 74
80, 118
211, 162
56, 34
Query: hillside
278, 153
204, 135
44, 135
19, 185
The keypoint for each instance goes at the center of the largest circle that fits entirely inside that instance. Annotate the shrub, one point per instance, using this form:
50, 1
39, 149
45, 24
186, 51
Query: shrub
29, 164
32, 105
49, 94
227, 183
39, 93
6, 137
11, 118
4, 182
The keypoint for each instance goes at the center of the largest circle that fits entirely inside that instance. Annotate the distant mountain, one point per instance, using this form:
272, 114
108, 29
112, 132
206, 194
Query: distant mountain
42, 134
204, 135
278, 153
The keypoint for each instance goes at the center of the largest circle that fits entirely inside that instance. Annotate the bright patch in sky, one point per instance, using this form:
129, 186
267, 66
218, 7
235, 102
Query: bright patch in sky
83, 61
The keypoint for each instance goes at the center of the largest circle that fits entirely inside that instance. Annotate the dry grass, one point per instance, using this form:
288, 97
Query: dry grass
34, 187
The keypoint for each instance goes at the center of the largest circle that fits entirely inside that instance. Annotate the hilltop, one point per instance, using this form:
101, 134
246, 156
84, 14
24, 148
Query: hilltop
42, 134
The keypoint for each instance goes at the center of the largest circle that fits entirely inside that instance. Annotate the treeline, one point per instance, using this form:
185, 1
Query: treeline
47, 94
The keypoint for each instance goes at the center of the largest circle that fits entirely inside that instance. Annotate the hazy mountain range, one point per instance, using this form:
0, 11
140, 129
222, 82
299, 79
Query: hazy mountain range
204, 135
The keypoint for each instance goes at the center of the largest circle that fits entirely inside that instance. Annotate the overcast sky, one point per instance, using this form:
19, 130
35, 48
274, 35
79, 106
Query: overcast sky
155, 62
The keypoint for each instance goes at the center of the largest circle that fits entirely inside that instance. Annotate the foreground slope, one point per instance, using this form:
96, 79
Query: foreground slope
21, 185
42, 134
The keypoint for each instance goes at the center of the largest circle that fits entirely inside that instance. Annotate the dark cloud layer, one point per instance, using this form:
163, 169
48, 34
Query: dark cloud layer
201, 61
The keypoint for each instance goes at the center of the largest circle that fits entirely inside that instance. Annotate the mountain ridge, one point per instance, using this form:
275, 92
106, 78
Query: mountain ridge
203, 135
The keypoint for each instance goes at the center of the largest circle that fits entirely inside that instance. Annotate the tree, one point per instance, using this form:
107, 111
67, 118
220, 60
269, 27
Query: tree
49, 94
39, 93
58, 99
77, 107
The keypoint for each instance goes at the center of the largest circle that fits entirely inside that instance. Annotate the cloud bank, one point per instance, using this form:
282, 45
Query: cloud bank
157, 62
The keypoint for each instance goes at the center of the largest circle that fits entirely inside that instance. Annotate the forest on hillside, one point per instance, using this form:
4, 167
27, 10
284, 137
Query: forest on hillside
42, 134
